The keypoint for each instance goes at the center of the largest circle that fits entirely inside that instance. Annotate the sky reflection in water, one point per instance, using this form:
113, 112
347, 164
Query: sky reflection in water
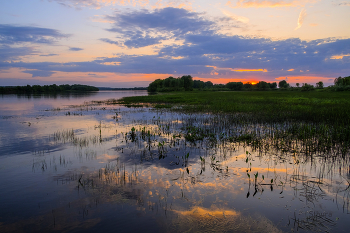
69, 165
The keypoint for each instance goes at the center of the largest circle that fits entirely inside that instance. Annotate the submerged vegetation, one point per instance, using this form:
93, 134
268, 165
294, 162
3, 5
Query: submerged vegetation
46, 89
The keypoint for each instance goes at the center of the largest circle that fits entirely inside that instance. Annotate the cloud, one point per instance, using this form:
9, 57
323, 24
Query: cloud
48, 55
8, 53
344, 4
236, 69
201, 49
10, 34
166, 19
211, 43
138, 40
39, 73
238, 18
301, 18
144, 28
75, 49
142, 41
88, 3
201, 57
78, 4
109, 41
268, 3
341, 56
333, 47
250, 70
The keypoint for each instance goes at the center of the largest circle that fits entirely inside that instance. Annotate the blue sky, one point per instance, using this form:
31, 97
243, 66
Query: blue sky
128, 43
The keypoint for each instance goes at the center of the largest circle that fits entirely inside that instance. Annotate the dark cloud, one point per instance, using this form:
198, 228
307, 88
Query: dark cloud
10, 34
211, 43
39, 73
75, 49
8, 53
48, 55
346, 59
202, 57
335, 47
142, 41
240, 52
143, 28
166, 19
109, 41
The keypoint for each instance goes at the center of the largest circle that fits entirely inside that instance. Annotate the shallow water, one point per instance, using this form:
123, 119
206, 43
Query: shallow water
68, 164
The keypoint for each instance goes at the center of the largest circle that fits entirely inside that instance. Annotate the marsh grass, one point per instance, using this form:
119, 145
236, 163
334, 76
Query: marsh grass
69, 136
205, 142
290, 121
330, 107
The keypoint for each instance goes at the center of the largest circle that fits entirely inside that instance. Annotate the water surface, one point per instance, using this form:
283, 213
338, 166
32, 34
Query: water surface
69, 164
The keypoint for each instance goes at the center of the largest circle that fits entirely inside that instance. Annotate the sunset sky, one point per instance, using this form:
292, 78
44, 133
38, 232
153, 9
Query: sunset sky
130, 43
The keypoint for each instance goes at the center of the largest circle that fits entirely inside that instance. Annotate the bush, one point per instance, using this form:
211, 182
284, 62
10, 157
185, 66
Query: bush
307, 87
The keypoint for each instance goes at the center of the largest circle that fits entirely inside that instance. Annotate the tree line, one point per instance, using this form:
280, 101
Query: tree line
186, 83
342, 84
172, 84
46, 89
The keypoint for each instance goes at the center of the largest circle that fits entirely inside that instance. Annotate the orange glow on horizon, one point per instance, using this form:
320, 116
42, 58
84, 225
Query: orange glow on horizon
252, 81
221, 80
139, 79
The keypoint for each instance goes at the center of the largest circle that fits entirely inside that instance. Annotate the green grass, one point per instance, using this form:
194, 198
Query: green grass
308, 122
272, 106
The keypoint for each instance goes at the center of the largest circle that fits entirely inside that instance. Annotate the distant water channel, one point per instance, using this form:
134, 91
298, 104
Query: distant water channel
80, 163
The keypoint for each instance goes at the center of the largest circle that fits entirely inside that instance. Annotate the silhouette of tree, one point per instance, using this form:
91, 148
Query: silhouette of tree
188, 82
283, 84
319, 85
236, 86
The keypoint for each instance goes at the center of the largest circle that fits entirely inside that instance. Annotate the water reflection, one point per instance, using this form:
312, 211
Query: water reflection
132, 169
25, 105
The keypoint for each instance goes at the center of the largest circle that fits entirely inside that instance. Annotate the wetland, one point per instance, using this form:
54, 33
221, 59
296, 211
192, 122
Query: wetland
195, 161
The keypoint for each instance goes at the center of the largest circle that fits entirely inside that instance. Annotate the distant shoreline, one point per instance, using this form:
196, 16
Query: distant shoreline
55, 89
37, 89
